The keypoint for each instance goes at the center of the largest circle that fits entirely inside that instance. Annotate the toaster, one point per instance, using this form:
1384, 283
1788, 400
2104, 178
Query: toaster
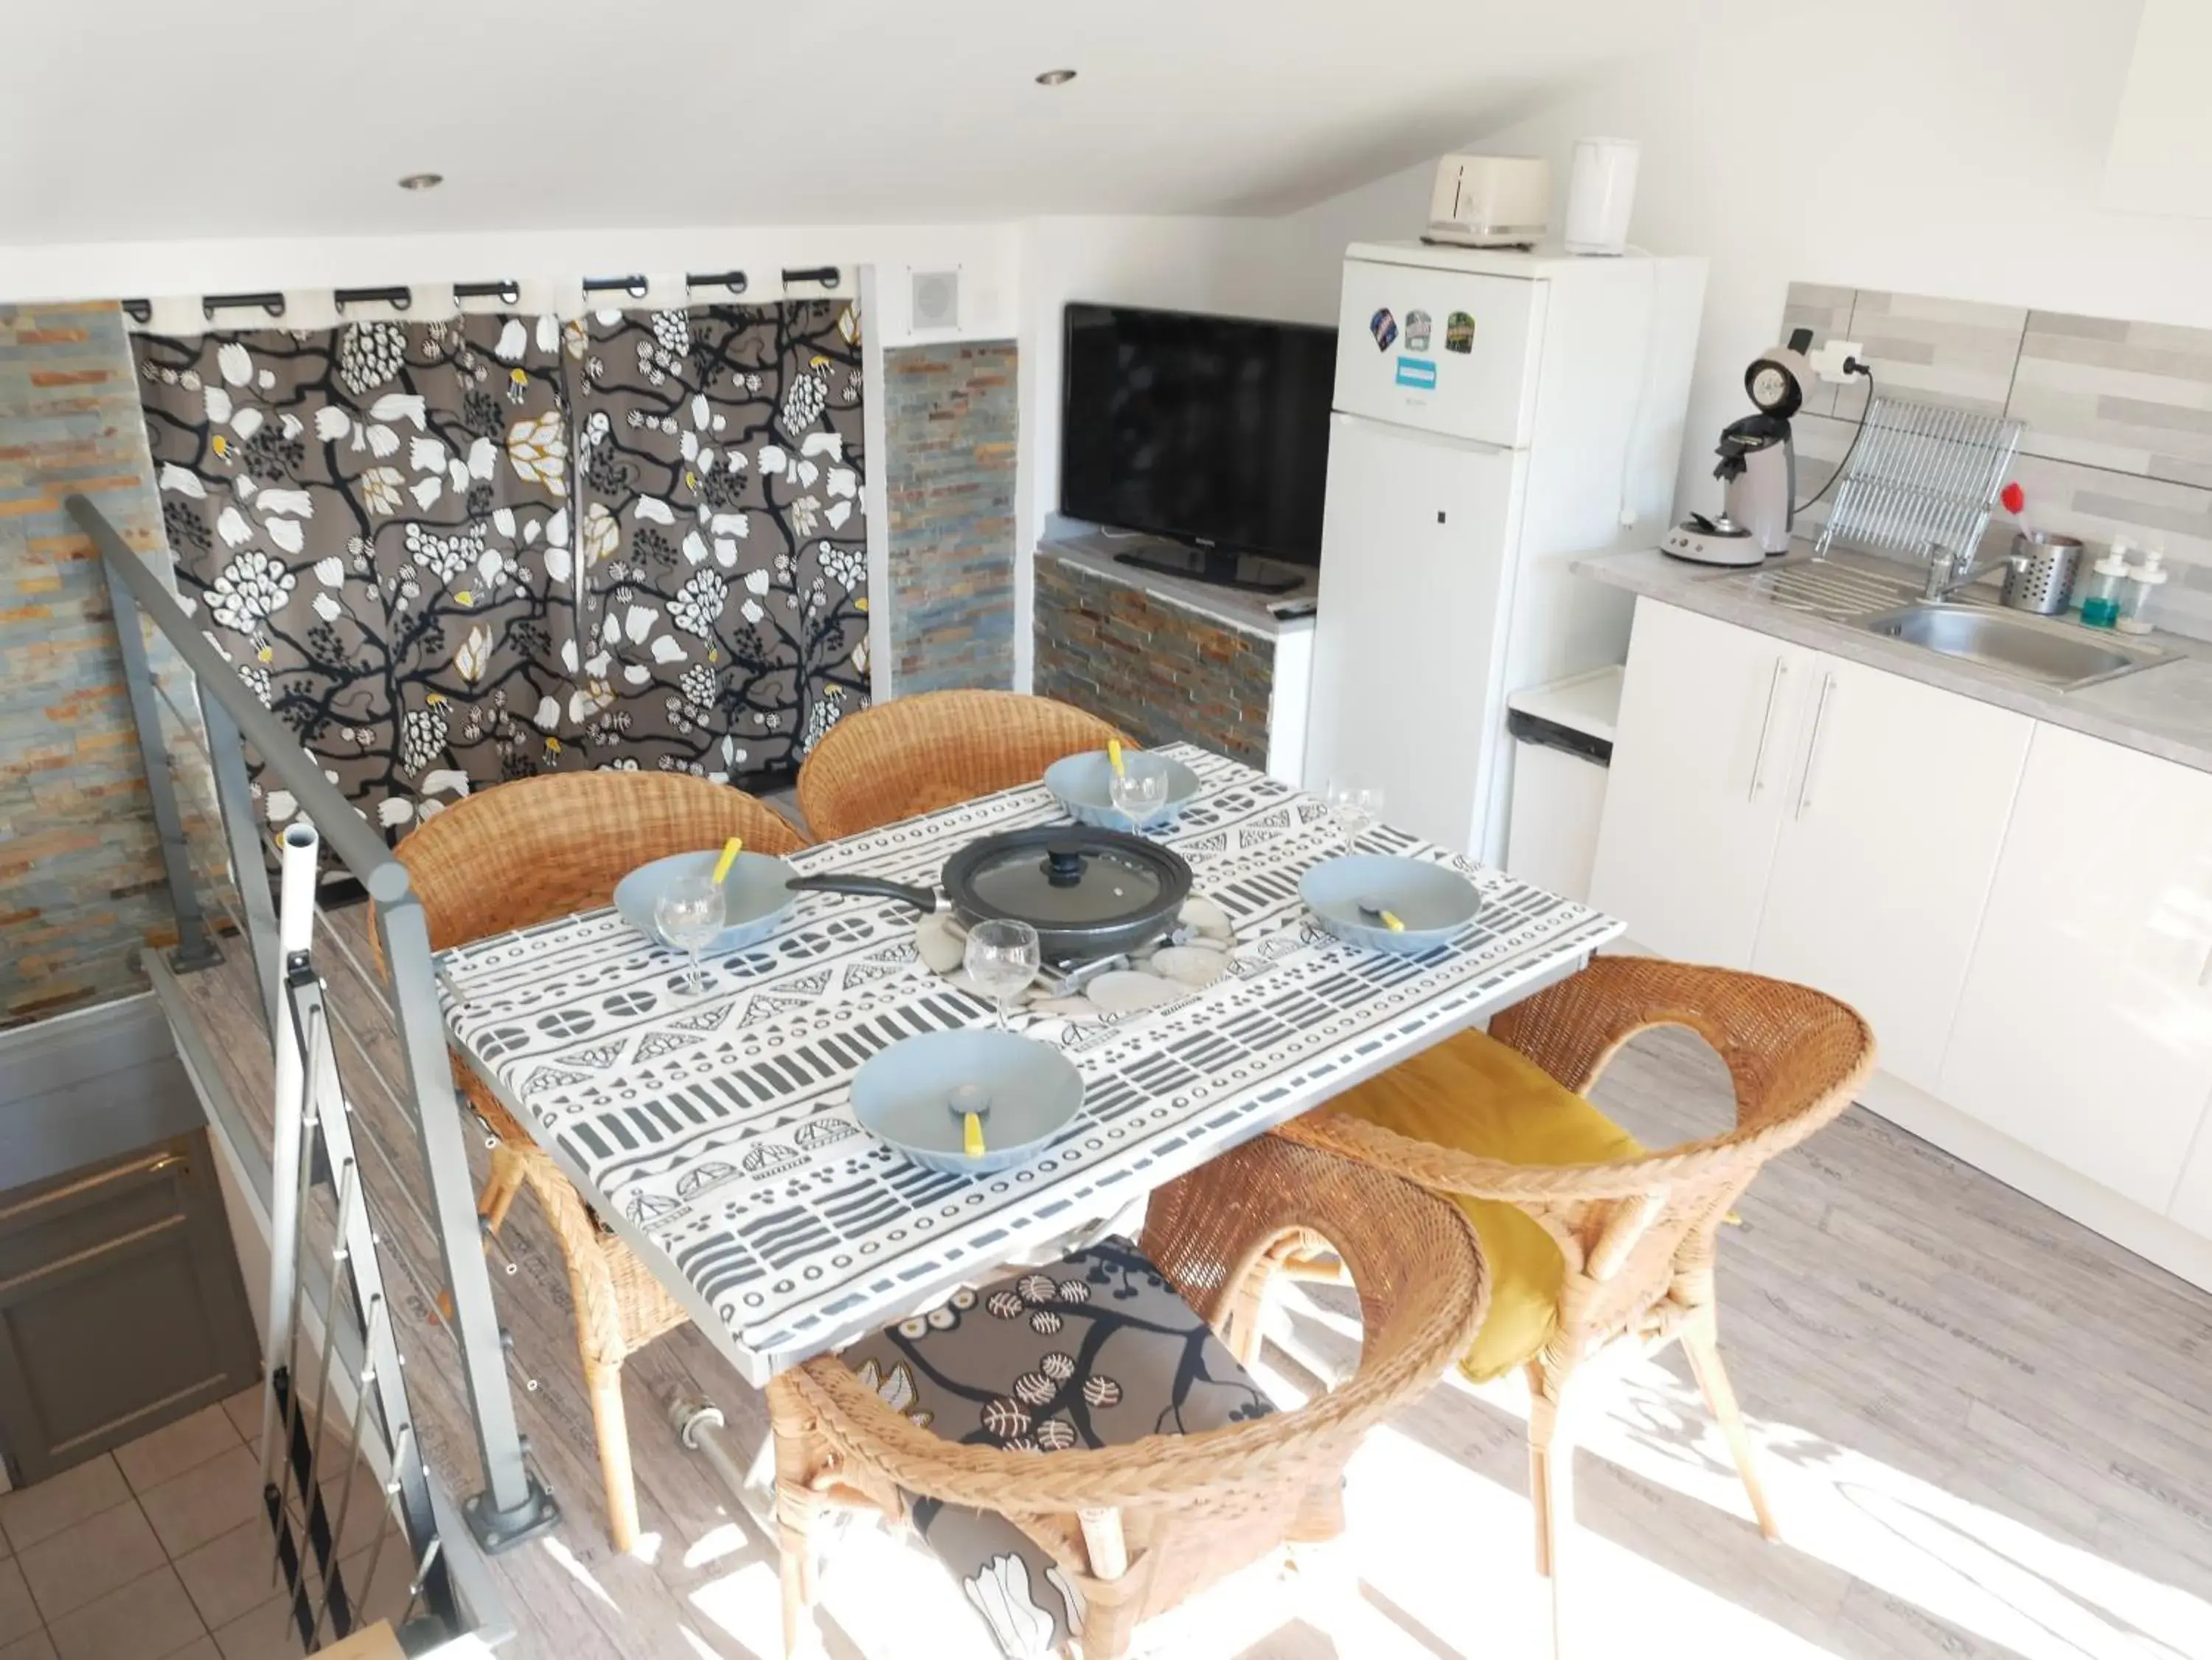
1490, 201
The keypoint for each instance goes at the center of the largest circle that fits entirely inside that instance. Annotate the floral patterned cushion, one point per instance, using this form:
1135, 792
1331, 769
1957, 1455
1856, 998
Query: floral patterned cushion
1095, 1350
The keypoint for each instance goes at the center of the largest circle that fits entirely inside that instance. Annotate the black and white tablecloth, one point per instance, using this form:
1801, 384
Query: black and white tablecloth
713, 1131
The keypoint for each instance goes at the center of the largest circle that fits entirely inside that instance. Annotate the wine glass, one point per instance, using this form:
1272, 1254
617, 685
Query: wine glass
688, 912
1355, 806
1140, 790
1002, 958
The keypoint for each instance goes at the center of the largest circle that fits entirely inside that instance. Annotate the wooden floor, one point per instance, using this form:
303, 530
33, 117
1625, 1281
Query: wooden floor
1987, 1431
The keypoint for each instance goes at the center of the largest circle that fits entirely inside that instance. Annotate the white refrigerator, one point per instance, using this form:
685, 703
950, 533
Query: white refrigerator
1499, 415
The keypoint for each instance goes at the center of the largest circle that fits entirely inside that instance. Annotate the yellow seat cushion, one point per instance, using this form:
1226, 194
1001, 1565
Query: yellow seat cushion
1476, 1094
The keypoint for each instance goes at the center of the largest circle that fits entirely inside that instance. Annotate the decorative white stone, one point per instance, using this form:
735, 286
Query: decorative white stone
1125, 990
1195, 965
1209, 918
940, 948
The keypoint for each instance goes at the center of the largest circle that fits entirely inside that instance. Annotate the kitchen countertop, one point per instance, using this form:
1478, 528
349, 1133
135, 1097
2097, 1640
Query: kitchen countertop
2165, 709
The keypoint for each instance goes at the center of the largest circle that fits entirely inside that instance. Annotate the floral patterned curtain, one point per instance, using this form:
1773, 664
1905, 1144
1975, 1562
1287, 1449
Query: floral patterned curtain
373, 522
723, 591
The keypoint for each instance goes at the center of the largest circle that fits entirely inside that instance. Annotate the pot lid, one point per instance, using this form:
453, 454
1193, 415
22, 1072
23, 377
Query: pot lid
1063, 876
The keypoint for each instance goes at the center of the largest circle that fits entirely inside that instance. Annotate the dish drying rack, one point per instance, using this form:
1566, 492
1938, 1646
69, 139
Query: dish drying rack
1917, 474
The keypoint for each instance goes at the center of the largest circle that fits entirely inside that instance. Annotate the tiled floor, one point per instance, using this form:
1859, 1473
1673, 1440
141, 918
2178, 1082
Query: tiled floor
158, 1551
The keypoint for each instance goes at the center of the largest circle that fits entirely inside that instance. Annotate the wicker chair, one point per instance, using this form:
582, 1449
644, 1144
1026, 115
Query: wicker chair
900, 760
1638, 1235
1141, 1526
573, 835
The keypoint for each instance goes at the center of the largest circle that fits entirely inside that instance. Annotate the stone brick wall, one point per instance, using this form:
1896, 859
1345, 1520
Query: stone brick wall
1159, 672
80, 887
951, 422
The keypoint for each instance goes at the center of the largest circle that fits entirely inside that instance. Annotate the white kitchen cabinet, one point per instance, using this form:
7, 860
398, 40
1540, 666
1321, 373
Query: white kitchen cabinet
2085, 1030
1892, 813
1702, 765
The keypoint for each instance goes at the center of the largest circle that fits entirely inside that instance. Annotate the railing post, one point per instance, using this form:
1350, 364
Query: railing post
196, 947
514, 1504
249, 870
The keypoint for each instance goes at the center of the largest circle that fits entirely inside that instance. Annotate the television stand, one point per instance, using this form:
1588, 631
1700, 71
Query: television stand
1213, 564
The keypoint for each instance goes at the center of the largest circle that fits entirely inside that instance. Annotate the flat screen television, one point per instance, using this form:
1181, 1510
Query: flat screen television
1211, 432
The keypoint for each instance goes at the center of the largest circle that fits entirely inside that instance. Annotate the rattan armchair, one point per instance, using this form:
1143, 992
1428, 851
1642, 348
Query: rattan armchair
914, 755
1638, 1235
1141, 1526
526, 852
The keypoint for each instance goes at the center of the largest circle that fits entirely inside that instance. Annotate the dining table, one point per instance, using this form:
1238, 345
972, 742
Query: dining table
711, 1126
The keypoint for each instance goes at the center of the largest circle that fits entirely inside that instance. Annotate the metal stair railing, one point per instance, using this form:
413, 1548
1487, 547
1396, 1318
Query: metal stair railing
513, 1505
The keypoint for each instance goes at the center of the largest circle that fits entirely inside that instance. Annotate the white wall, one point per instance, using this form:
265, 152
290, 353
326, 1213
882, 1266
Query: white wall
2165, 130
1954, 148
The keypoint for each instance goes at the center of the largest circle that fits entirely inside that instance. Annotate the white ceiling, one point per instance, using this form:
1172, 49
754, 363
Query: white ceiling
145, 119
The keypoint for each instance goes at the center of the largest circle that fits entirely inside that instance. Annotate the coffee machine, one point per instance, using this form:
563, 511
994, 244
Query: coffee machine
1757, 469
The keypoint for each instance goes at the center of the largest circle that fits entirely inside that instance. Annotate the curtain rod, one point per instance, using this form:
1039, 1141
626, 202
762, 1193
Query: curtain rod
400, 297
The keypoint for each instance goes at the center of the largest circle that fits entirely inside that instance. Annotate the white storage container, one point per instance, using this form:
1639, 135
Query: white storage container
1562, 745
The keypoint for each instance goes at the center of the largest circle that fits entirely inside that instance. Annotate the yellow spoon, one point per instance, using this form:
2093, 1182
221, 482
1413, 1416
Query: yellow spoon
1113, 754
969, 1102
1389, 918
730, 848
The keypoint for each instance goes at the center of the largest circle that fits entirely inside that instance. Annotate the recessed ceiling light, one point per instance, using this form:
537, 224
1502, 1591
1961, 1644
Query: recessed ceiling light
1055, 77
422, 181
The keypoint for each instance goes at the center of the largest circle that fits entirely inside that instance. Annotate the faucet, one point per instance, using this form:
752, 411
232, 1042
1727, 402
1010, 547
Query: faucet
1951, 569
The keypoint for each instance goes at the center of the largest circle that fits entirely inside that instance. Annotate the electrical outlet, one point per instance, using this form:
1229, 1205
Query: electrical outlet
1827, 359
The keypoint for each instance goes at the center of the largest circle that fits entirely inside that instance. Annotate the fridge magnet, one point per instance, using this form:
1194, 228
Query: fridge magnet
1384, 328
1459, 333
1417, 373
1417, 331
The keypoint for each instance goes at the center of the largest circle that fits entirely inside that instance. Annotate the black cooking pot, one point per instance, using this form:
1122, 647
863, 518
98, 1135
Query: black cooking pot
1088, 893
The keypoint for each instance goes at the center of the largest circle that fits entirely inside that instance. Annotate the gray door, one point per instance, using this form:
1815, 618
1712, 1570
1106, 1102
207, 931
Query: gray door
121, 1306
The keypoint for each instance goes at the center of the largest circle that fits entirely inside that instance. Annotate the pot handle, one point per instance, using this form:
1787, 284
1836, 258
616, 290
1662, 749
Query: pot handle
923, 899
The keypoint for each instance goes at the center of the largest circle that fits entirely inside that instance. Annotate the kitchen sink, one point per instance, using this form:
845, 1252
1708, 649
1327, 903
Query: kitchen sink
2055, 654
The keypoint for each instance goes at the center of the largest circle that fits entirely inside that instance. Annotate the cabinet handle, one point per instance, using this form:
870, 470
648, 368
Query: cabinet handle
1812, 744
2205, 974
1766, 727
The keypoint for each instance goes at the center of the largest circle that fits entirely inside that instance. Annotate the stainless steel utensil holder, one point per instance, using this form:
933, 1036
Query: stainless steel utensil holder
2041, 576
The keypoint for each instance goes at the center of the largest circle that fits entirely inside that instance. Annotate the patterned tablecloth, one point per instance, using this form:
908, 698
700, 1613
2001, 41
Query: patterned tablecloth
715, 1132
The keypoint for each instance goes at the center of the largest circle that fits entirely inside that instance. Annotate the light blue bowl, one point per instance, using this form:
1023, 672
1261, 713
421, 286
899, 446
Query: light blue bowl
1433, 901
754, 898
1080, 784
903, 1094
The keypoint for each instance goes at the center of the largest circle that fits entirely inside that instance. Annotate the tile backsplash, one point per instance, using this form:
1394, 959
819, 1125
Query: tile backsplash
2118, 415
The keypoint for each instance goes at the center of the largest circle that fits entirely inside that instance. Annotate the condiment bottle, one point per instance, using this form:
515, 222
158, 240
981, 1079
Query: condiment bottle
2100, 599
2140, 592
